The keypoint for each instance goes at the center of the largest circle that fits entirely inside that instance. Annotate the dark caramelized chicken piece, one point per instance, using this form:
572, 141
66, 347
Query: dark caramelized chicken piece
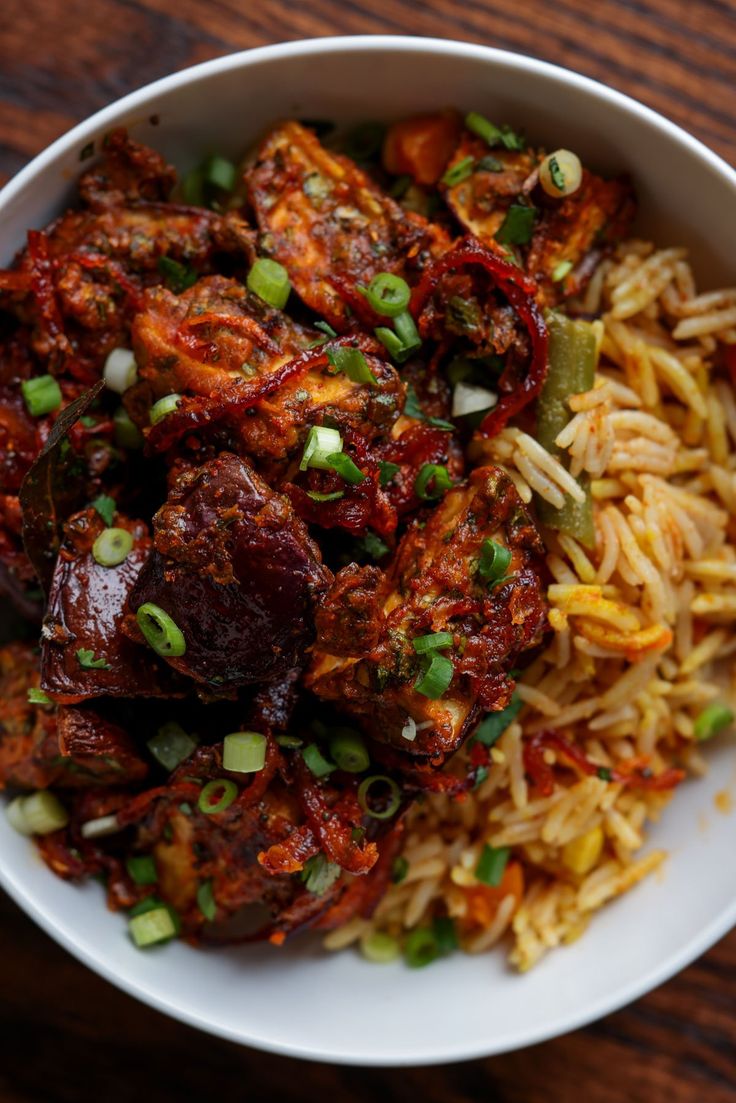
83, 651
237, 571
218, 340
364, 656
577, 229
330, 226
126, 173
72, 747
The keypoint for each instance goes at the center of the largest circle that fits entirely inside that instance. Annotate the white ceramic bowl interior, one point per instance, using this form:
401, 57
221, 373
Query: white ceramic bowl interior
298, 1000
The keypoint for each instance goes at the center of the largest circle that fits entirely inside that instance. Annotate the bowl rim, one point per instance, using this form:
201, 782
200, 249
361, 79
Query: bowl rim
107, 117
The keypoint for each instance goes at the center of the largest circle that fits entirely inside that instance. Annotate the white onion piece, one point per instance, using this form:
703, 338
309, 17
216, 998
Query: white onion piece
409, 730
121, 370
469, 399
97, 829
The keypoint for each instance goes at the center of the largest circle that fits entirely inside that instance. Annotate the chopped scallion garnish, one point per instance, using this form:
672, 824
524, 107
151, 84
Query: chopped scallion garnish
436, 677
217, 795
269, 280
160, 631
348, 751
713, 719
316, 761
112, 547
352, 363
388, 294
494, 561
435, 641
321, 442
244, 752
491, 865
42, 394
432, 481
383, 805
171, 745
518, 225
458, 172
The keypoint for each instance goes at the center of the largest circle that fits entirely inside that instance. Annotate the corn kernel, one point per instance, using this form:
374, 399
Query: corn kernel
581, 854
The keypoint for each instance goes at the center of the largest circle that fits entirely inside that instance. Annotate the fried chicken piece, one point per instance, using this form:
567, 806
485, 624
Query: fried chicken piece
575, 230
364, 656
330, 226
237, 571
83, 650
70, 748
219, 340
127, 172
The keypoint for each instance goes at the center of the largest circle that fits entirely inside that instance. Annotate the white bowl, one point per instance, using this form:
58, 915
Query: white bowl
297, 1000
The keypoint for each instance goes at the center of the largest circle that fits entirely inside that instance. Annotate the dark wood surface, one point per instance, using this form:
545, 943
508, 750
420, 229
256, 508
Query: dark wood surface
65, 1034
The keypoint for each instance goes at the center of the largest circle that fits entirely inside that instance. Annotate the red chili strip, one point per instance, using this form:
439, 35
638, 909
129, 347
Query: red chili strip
42, 286
542, 773
334, 831
290, 855
520, 292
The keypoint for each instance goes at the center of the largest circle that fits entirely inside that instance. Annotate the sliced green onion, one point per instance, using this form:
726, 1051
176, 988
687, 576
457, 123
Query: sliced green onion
561, 270
495, 724
352, 362
387, 471
142, 869
112, 547
712, 720
87, 660
269, 280
321, 442
244, 752
206, 901
407, 332
420, 948
152, 927
443, 929
325, 327
435, 641
388, 294
120, 371
163, 407
318, 496
483, 127
435, 474
511, 139
399, 870
43, 813
436, 678
177, 277
101, 827
346, 468
349, 752
316, 761
41, 395
458, 172
291, 742
319, 874
104, 506
604, 773
160, 631
390, 341
171, 745
491, 865
217, 795
379, 947
518, 225
16, 816
389, 804
127, 433
494, 560
38, 697
220, 172
192, 187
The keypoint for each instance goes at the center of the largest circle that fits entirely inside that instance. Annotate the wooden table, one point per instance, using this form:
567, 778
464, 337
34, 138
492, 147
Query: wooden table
66, 1035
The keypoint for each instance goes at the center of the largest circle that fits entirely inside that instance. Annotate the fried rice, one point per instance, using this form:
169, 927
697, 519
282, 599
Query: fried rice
643, 627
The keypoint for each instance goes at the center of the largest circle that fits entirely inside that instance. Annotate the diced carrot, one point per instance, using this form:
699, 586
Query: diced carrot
421, 147
484, 900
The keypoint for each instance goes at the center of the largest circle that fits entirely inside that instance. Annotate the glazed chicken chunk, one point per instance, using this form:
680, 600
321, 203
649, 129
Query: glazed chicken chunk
416, 653
236, 570
330, 226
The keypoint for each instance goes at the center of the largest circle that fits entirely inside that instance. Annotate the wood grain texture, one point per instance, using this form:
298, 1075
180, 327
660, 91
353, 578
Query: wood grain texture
65, 1034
